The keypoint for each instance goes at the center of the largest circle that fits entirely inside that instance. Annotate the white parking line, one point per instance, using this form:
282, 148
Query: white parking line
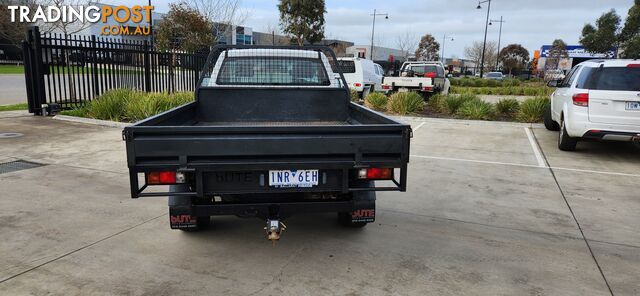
419, 126
536, 148
526, 165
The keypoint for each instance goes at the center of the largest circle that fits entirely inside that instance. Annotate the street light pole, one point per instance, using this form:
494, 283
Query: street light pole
444, 40
499, 39
486, 27
373, 30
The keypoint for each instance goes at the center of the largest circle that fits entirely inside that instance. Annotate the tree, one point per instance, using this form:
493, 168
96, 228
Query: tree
406, 43
12, 32
558, 51
474, 53
60, 25
630, 34
602, 37
303, 20
184, 28
607, 34
221, 13
428, 49
514, 57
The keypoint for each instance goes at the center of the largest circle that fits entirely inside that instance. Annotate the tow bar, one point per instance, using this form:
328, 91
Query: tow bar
274, 230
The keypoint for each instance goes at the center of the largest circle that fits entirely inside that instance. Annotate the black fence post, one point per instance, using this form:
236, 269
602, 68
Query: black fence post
147, 67
94, 66
27, 55
37, 71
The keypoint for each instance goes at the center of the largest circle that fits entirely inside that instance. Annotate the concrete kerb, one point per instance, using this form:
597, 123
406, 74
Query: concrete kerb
467, 122
99, 122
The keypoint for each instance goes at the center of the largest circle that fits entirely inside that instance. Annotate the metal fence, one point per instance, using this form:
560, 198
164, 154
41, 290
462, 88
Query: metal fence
70, 70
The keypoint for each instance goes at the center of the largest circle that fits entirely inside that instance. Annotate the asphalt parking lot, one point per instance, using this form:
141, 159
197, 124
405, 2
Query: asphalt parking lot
491, 209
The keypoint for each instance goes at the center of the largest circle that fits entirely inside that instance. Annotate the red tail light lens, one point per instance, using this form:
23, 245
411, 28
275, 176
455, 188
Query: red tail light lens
161, 178
427, 88
357, 84
633, 66
430, 74
581, 100
386, 87
376, 173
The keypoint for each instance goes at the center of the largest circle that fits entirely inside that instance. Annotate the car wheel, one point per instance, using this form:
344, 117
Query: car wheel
548, 120
565, 142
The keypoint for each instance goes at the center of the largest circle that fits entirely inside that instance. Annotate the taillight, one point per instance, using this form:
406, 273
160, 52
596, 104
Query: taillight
165, 178
581, 100
357, 84
427, 88
376, 173
430, 75
633, 66
386, 87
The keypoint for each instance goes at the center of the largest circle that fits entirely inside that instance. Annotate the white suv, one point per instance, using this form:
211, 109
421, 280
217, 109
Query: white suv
598, 99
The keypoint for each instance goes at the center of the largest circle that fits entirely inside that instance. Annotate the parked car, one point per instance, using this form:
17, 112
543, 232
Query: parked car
362, 75
426, 78
598, 99
270, 134
494, 76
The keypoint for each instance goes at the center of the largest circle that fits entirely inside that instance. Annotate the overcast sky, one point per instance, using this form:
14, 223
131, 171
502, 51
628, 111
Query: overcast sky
531, 23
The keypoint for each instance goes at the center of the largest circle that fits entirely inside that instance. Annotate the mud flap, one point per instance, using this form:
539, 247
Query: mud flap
181, 218
364, 206
180, 210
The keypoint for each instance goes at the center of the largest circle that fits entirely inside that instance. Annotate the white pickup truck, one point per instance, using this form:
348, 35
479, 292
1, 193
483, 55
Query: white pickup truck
427, 78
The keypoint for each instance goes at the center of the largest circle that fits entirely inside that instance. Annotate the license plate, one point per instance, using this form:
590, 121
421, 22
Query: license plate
293, 178
633, 106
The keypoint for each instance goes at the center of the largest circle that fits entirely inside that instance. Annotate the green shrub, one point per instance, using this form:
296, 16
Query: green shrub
376, 100
511, 82
532, 110
479, 82
436, 103
405, 102
507, 106
110, 105
355, 97
492, 83
453, 103
129, 105
476, 109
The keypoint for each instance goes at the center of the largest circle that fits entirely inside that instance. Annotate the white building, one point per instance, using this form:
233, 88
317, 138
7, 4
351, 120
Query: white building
379, 53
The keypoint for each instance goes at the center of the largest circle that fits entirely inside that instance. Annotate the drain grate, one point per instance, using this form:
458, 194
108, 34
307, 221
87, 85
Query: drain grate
17, 165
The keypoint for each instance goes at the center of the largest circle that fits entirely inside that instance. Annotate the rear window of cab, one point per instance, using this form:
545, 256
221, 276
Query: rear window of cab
610, 78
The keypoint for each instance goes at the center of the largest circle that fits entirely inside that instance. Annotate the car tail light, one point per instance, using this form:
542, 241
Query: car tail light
357, 84
581, 100
386, 86
430, 74
165, 178
427, 88
633, 65
376, 174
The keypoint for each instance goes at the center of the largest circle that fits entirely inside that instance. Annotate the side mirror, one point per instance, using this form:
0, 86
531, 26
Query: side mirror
553, 83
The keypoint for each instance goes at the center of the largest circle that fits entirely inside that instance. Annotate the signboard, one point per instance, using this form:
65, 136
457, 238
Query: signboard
577, 51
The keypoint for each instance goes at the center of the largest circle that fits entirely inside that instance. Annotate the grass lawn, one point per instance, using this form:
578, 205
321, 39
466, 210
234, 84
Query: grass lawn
22, 106
11, 69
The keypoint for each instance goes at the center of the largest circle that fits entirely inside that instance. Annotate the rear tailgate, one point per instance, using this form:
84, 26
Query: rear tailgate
408, 81
614, 94
614, 107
